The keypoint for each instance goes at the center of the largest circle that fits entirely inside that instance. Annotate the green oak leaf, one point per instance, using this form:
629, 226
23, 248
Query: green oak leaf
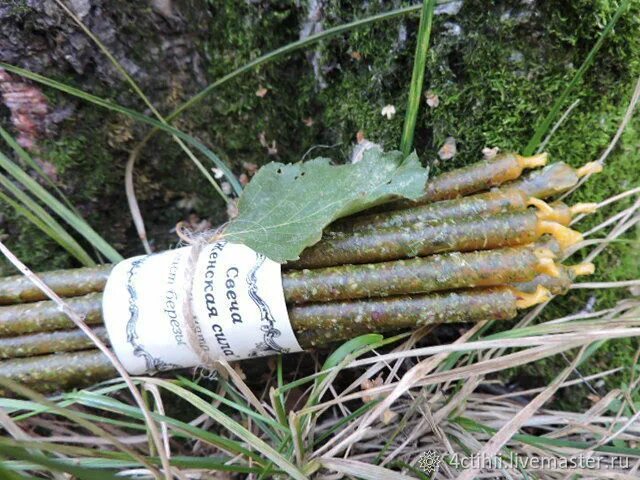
284, 208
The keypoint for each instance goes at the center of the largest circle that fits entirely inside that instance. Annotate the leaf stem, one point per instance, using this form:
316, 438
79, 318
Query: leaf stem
417, 78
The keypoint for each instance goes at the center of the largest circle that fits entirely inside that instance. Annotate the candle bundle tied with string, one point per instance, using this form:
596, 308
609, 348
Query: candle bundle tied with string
472, 244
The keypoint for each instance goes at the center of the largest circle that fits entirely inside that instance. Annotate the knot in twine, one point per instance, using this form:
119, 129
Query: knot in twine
198, 241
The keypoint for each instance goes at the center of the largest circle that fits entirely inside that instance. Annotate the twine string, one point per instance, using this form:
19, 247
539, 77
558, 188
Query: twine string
208, 360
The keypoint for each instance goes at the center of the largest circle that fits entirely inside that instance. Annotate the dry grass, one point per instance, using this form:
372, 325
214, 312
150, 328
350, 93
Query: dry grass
397, 404
369, 411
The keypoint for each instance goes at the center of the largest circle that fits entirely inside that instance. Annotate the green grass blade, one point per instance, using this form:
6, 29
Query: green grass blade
345, 420
7, 474
37, 409
201, 463
311, 378
79, 224
351, 346
121, 70
544, 126
290, 48
11, 450
136, 116
205, 463
37, 215
417, 77
21, 210
553, 328
132, 83
212, 463
72, 451
63, 238
230, 403
547, 442
268, 57
232, 426
281, 52
28, 159
182, 429
71, 415
347, 350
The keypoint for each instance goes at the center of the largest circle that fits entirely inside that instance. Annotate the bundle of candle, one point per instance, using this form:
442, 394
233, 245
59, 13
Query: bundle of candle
480, 244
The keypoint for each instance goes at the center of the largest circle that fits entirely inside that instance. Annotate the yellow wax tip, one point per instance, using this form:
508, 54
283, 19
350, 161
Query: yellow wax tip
565, 236
549, 213
541, 205
526, 300
544, 252
583, 208
548, 267
586, 268
589, 169
534, 161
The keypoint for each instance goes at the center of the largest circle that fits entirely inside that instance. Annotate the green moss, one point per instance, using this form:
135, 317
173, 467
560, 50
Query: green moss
81, 158
18, 7
497, 86
235, 115
496, 80
617, 262
30, 245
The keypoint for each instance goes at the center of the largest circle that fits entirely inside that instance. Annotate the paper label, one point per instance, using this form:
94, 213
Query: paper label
235, 297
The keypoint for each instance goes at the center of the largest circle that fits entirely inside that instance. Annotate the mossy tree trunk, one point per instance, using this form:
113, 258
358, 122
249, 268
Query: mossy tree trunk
493, 72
